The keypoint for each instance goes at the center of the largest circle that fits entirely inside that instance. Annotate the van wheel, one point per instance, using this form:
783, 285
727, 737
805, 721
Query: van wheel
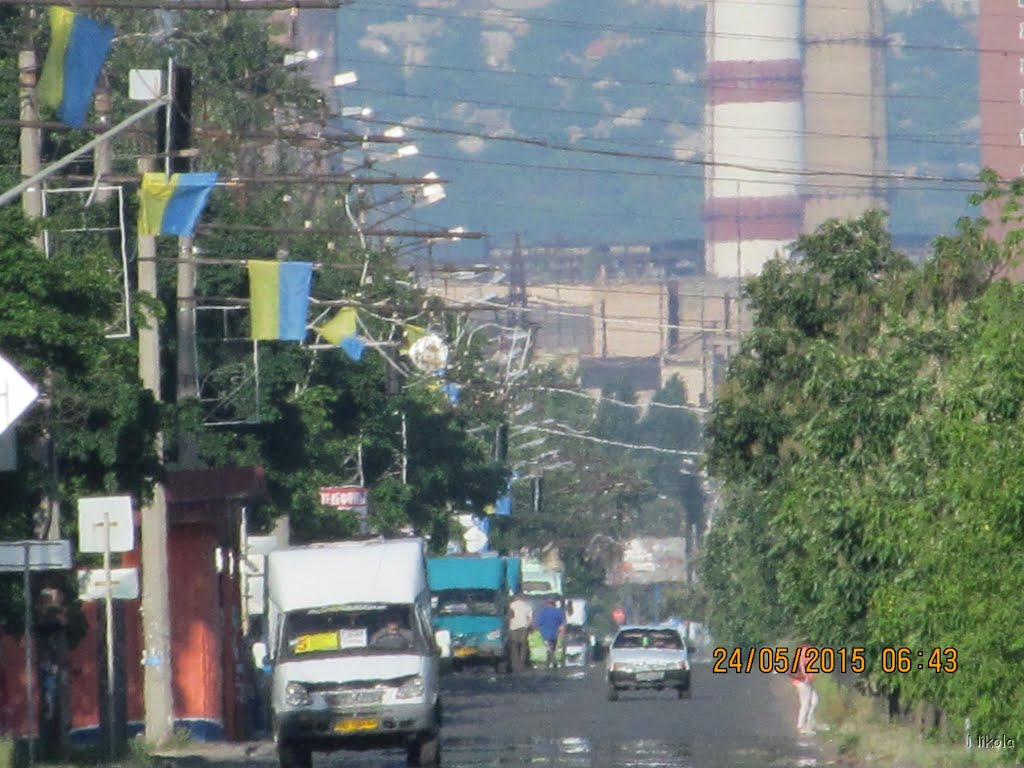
685, 693
425, 750
292, 755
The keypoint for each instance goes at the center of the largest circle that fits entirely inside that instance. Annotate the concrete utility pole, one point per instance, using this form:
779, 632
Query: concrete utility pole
31, 138
158, 696
103, 155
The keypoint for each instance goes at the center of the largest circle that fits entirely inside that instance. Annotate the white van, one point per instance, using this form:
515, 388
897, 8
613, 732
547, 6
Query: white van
355, 665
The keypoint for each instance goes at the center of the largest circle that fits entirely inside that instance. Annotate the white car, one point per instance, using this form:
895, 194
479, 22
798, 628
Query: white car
648, 657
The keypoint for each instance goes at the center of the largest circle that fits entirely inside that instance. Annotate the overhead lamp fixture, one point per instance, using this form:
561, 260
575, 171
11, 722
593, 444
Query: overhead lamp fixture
454, 233
299, 57
407, 150
433, 192
345, 78
395, 132
364, 112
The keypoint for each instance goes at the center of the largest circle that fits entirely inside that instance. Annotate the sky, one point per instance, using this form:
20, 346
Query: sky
581, 121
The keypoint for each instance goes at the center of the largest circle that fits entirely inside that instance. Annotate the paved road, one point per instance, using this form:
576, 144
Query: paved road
561, 718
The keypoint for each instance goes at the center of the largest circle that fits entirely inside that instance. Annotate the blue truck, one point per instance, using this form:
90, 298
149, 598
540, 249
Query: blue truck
469, 597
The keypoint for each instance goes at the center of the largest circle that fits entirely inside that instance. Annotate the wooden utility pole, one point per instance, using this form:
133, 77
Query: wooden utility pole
158, 696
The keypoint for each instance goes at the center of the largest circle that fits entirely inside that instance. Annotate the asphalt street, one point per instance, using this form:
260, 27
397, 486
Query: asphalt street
562, 718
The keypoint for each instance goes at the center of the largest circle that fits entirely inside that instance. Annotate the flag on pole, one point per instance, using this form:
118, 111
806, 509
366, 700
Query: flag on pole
343, 331
410, 335
171, 206
78, 48
279, 299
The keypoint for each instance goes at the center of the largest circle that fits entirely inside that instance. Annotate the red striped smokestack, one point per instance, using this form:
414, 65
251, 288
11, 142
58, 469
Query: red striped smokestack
754, 128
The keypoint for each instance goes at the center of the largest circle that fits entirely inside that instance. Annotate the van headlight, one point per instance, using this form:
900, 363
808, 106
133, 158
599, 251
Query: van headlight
494, 634
296, 695
682, 665
410, 689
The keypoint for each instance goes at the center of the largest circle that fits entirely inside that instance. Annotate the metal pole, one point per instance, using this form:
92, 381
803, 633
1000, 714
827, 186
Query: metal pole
111, 729
167, 118
14, 192
29, 692
405, 451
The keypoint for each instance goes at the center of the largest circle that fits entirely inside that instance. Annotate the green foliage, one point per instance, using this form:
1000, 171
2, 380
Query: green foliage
868, 440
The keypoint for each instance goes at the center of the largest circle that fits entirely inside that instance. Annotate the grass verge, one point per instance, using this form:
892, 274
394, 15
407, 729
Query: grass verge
860, 735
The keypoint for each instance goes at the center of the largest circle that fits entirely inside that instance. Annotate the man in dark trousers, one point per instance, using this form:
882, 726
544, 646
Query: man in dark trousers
520, 619
551, 624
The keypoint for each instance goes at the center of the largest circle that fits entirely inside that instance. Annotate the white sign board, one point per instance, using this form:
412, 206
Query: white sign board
124, 584
16, 394
98, 513
42, 555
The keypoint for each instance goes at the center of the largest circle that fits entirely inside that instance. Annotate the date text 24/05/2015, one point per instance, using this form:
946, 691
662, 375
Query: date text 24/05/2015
827, 660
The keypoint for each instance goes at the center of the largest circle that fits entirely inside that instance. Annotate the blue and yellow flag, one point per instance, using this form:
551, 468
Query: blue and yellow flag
171, 206
78, 48
279, 299
343, 331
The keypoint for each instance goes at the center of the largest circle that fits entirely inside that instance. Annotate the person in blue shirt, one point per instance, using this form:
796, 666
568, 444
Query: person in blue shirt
551, 624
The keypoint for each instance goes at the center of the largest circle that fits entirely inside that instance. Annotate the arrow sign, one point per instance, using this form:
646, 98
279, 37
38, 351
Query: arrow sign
16, 394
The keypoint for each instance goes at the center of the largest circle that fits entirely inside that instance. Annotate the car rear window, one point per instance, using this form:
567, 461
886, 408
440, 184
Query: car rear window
648, 638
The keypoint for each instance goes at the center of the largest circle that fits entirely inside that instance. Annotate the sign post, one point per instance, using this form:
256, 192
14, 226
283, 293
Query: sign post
105, 525
28, 556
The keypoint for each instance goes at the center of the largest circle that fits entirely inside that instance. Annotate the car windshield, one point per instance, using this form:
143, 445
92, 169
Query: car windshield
349, 630
467, 602
648, 638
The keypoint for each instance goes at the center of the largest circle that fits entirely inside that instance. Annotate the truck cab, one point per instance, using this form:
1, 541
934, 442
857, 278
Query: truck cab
354, 660
469, 601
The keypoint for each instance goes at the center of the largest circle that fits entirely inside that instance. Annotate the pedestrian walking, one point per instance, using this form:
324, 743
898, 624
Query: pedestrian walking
520, 619
551, 624
803, 681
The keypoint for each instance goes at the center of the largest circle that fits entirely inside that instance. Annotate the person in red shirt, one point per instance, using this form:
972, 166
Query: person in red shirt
803, 681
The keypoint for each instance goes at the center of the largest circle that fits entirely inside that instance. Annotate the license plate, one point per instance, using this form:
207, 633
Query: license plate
646, 677
347, 726
465, 651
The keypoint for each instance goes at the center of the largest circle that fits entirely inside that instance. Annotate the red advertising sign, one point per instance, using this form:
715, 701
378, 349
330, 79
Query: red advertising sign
352, 497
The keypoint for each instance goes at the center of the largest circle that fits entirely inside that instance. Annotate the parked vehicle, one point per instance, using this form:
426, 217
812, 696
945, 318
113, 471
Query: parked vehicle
469, 598
648, 657
355, 665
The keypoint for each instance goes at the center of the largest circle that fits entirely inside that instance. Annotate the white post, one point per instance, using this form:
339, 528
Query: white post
109, 607
30, 725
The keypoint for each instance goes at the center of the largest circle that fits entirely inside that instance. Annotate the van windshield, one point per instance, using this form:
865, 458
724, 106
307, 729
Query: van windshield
351, 630
467, 602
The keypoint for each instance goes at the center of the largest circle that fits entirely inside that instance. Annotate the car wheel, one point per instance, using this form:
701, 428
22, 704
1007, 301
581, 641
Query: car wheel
501, 666
291, 755
685, 693
613, 693
425, 750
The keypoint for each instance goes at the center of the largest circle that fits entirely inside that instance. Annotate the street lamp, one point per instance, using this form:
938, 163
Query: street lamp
345, 78
431, 193
298, 57
366, 113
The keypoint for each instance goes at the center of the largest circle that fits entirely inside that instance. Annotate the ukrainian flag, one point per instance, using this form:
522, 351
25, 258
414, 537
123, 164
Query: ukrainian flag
78, 48
342, 330
279, 299
171, 206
